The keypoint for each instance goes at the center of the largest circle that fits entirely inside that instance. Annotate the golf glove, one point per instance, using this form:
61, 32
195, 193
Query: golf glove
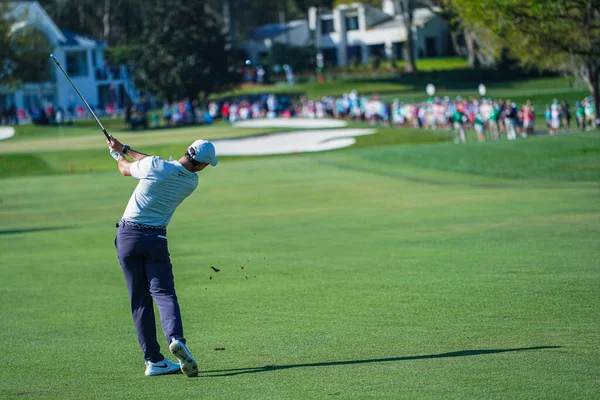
115, 154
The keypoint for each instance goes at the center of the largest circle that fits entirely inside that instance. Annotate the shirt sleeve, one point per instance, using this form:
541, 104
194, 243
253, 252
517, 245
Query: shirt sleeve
141, 169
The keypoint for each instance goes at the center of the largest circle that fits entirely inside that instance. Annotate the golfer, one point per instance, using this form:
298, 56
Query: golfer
141, 244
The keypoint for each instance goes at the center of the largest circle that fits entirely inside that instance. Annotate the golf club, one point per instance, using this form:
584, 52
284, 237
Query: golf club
84, 102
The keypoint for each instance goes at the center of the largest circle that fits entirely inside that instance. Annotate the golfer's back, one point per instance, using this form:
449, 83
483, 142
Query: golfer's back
163, 186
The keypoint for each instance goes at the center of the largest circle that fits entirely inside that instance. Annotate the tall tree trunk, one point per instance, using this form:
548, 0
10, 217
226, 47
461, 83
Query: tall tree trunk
227, 19
409, 48
455, 44
106, 21
595, 81
81, 15
283, 19
471, 49
590, 72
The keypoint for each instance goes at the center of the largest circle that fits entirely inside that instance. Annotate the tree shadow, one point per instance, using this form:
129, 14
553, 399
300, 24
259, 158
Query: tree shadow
32, 230
462, 353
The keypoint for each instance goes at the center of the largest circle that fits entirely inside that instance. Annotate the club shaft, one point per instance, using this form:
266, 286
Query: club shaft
82, 99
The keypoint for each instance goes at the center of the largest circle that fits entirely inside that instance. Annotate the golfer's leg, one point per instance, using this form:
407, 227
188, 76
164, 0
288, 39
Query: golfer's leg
461, 134
162, 288
142, 309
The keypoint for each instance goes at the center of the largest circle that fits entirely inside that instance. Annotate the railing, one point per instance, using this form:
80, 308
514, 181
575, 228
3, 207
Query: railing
130, 88
111, 73
119, 73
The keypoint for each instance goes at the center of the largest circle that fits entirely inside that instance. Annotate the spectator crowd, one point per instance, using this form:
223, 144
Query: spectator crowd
489, 118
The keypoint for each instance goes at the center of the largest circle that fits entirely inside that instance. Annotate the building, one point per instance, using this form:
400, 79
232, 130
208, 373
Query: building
81, 57
356, 32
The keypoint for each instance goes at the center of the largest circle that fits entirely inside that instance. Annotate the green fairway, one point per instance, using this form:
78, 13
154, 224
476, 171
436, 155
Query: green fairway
381, 271
87, 132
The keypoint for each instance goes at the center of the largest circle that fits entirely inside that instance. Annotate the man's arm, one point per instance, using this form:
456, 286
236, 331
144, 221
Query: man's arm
123, 163
124, 166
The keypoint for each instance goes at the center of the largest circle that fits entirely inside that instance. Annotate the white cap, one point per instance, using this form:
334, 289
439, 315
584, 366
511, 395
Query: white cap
203, 151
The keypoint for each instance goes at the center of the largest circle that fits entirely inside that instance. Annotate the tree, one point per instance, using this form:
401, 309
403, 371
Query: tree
114, 21
23, 51
464, 42
407, 8
560, 35
185, 51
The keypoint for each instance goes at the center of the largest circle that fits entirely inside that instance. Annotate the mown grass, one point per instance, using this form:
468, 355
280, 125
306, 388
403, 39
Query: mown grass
569, 157
369, 273
576, 154
78, 128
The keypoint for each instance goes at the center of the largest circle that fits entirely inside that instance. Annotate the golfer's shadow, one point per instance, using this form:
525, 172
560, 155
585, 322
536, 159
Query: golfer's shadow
17, 231
462, 353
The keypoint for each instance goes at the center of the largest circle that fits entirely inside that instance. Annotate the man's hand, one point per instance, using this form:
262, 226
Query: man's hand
115, 145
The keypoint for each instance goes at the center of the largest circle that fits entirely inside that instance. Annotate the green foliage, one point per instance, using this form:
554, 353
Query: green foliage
123, 54
375, 61
185, 51
561, 35
117, 22
247, 15
6, 54
23, 52
544, 33
31, 48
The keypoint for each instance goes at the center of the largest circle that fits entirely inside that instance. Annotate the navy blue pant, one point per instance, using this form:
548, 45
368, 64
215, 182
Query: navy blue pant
144, 258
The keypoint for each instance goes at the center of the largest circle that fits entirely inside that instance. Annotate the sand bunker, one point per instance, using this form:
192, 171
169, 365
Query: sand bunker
290, 142
302, 123
6, 132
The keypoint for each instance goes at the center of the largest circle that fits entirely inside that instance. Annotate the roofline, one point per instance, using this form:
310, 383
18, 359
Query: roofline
48, 20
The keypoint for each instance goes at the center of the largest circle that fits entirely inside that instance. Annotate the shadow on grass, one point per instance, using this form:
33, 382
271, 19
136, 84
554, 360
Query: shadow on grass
32, 230
462, 353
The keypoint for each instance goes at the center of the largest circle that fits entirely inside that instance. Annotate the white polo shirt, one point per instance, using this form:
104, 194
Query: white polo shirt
163, 186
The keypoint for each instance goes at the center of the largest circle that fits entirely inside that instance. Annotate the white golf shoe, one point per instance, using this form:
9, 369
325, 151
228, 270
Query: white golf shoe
161, 368
187, 362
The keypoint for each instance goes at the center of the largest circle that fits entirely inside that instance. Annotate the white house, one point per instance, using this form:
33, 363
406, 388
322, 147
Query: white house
356, 32
81, 57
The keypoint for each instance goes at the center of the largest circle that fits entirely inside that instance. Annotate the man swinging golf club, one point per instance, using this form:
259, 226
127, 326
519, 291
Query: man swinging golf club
141, 244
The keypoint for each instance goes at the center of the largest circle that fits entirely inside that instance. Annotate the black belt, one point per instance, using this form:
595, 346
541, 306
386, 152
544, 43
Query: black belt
124, 222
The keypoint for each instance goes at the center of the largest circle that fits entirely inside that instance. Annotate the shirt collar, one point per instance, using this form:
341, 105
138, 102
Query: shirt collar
181, 167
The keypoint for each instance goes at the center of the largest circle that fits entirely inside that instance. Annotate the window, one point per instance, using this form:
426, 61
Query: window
430, 47
399, 50
377, 50
354, 55
327, 26
77, 63
6, 100
31, 102
329, 56
106, 95
352, 23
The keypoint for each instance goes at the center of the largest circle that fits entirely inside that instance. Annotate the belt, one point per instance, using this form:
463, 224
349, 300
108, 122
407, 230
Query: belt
124, 222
